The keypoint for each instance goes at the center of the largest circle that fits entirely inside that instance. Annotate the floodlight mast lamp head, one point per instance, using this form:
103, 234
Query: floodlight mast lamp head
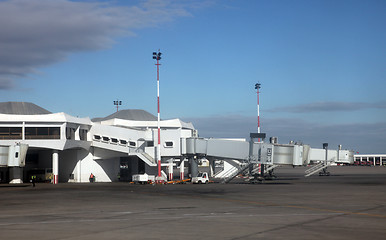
117, 103
157, 55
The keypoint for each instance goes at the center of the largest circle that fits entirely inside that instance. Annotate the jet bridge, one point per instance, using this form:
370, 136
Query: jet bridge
272, 154
253, 152
14, 157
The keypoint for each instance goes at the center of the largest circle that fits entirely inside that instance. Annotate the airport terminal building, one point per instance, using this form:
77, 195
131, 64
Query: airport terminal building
57, 147
68, 149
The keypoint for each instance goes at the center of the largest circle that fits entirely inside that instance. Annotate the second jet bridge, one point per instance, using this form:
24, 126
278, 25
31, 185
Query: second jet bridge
260, 152
232, 149
249, 154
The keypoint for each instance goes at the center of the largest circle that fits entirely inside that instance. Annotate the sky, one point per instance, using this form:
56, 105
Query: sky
321, 64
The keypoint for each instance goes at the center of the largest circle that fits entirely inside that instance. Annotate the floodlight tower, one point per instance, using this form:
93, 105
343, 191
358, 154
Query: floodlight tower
117, 103
257, 87
260, 167
157, 56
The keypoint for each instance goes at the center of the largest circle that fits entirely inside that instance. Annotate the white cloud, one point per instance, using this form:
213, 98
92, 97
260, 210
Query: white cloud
36, 33
328, 107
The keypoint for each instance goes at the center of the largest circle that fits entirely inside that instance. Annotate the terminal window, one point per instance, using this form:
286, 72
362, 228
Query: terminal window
42, 133
83, 134
70, 133
10, 132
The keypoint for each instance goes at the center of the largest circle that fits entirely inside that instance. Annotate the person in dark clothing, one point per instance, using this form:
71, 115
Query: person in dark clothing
33, 180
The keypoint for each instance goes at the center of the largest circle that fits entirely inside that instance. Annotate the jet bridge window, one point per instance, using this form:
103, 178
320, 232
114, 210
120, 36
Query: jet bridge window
168, 144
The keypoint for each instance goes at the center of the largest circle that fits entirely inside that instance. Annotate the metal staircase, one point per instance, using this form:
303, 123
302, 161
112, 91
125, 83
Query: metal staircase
145, 157
239, 170
322, 166
271, 167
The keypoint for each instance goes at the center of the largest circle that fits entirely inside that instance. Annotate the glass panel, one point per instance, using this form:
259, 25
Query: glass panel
42, 133
10, 133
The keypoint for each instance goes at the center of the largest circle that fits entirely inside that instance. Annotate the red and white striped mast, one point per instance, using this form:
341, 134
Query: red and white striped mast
157, 56
257, 87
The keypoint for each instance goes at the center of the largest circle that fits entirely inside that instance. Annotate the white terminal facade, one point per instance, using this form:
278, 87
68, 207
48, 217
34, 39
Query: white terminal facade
123, 144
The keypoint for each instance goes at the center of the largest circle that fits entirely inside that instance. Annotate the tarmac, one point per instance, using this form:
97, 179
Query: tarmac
349, 204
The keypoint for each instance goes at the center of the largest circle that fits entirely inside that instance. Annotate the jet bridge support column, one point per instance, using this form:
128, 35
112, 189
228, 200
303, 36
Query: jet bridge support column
193, 167
212, 166
182, 168
254, 136
170, 169
324, 172
55, 166
16, 175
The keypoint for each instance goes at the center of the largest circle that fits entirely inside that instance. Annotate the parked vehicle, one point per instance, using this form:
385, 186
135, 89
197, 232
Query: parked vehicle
202, 177
143, 178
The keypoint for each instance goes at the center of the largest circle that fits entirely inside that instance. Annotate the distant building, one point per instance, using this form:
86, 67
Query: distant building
370, 159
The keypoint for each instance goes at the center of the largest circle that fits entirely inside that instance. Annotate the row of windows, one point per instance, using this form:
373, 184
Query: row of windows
40, 133
105, 139
115, 141
30, 133
70, 134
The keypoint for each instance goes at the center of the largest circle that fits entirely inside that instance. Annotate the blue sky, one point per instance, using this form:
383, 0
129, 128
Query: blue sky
321, 64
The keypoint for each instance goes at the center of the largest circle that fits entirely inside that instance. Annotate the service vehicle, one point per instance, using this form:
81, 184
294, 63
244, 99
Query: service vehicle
143, 178
202, 177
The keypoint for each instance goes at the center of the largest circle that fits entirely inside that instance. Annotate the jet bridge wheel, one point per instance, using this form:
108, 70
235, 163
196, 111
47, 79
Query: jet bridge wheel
324, 174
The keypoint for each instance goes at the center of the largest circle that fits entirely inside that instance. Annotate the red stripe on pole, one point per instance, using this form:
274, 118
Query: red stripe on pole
158, 104
159, 168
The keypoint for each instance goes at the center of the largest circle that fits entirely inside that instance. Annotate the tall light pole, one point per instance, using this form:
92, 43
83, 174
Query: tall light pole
257, 87
157, 56
260, 167
117, 103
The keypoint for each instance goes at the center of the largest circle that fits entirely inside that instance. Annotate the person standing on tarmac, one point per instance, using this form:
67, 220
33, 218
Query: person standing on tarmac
33, 179
92, 178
